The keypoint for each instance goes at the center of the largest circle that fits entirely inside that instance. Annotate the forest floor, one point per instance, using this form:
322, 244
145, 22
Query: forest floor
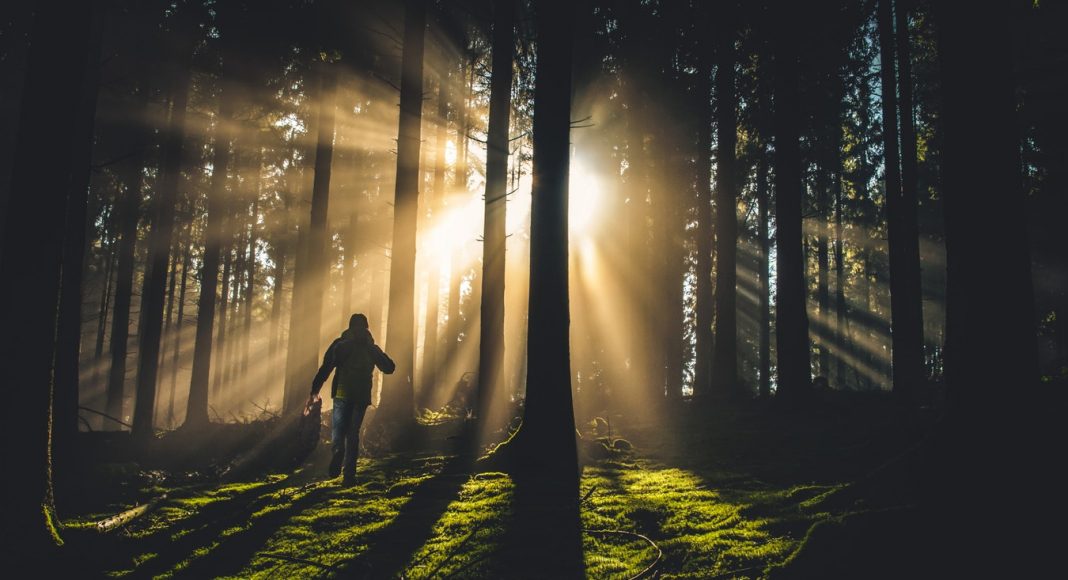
729, 493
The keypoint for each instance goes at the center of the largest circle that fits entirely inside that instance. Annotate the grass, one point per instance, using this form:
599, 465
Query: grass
738, 510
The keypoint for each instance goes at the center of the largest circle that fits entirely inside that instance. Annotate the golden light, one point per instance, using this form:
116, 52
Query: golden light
450, 153
584, 197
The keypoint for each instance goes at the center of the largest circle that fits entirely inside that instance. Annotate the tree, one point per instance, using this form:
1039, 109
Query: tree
548, 417
196, 414
160, 237
310, 303
33, 236
725, 360
69, 333
398, 398
791, 327
491, 345
905, 301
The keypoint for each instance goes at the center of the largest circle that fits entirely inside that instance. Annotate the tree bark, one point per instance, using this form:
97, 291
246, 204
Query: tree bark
548, 418
398, 398
905, 306
725, 361
491, 341
705, 301
791, 328
29, 296
196, 414
763, 234
69, 332
159, 251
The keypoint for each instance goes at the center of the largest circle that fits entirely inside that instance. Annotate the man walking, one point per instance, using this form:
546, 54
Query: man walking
354, 355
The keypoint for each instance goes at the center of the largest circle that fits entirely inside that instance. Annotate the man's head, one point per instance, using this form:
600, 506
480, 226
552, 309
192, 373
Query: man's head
358, 322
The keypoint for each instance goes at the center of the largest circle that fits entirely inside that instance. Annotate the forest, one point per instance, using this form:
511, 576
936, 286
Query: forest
533, 289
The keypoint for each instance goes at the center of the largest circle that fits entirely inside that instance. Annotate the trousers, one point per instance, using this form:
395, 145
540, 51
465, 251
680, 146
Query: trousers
345, 435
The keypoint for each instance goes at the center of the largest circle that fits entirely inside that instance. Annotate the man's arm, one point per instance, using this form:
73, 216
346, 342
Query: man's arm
329, 362
382, 360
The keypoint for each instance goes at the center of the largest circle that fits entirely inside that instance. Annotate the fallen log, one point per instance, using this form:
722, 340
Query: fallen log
121, 519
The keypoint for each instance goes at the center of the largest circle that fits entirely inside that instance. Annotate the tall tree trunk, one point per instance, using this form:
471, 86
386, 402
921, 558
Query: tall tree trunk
69, 332
29, 295
491, 341
989, 318
222, 343
763, 234
311, 305
791, 328
841, 331
398, 397
128, 214
705, 300
998, 411
168, 317
905, 306
159, 250
196, 414
105, 302
548, 417
725, 361
250, 271
823, 263
911, 322
177, 346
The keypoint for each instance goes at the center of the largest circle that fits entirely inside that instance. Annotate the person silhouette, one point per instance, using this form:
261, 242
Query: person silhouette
354, 355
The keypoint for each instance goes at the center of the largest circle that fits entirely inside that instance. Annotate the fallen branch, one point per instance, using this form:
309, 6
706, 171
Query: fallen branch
106, 416
119, 520
648, 569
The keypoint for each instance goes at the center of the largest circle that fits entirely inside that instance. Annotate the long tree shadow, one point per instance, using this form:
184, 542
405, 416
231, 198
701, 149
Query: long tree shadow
233, 554
392, 547
544, 538
174, 544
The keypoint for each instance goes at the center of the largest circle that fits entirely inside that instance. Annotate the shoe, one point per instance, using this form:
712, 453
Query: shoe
335, 466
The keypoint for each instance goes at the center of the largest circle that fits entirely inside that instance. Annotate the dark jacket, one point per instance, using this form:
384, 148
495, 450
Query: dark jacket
339, 351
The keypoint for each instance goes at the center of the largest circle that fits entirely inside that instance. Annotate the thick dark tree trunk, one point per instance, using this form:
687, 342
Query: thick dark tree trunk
491, 345
990, 320
791, 329
548, 418
29, 295
159, 250
725, 361
905, 306
398, 397
999, 413
69, 333
196, 414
